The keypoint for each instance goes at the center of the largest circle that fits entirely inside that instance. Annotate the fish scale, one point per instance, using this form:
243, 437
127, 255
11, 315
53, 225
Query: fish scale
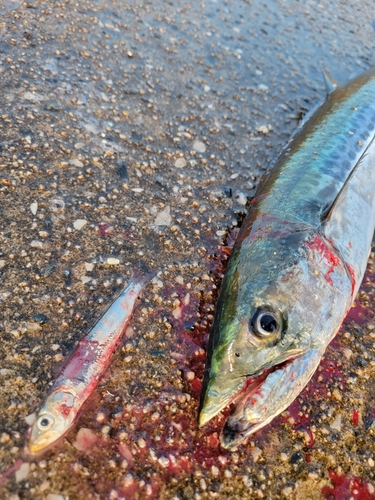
298, 261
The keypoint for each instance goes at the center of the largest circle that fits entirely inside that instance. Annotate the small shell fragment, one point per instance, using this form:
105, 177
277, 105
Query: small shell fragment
22, 472
34, 207
113, 261
164, 217
79, 223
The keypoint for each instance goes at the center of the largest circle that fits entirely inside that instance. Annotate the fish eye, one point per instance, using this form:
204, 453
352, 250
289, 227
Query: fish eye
45, 422
266, 322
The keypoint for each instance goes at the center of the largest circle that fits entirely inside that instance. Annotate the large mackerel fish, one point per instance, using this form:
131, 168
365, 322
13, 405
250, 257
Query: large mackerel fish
297, 264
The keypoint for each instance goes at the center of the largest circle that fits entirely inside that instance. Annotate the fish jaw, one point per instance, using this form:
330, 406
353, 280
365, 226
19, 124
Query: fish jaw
53, 421
256, 408
217, 396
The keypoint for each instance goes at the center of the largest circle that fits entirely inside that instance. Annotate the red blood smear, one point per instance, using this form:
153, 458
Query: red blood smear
205, 455
358, 313
301, 422
351, 272
345, 488
104, 230
319, 246
355, 417
85, 439
196, 387
178, 466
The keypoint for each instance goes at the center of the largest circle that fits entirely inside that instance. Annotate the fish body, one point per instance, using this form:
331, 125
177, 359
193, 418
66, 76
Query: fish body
296, 266
82, 372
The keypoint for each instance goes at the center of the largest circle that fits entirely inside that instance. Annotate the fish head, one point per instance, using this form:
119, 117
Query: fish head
272, 308
52, 422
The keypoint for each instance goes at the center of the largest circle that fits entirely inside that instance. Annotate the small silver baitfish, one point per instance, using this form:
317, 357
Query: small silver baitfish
81, 374
296, 266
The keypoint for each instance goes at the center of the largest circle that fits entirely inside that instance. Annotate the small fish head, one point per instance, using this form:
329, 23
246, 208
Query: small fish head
53, 420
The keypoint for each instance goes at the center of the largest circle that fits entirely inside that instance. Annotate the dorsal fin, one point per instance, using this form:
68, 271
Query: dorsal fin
331, 84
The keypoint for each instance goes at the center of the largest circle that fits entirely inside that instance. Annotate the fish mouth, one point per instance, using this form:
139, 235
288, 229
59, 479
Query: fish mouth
252, 408
238, 427
220, 393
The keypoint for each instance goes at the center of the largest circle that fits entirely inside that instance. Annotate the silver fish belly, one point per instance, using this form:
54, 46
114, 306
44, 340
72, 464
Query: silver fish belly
296, 266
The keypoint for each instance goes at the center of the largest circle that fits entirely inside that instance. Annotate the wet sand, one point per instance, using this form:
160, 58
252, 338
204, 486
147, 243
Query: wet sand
137, 132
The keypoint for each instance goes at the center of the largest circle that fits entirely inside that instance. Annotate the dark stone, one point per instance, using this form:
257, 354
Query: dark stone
228, 192
41, 318
122, 170
296, 458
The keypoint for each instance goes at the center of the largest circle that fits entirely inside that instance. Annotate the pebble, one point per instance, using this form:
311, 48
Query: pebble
128, 480
31, 96
41, 318
296, 458
202, 484
263, 88
264, 129
89, 266
142, 443
337, 395
34, 208
36, 244
54, 496
86, 279
199, 147
113, 261
30, 419
287, 491
163, 461
79, 224
336, 424
255, 453
76, 163
85, 439
164, 217
214, 470
22, 472
2, 263
180, 163
240, 198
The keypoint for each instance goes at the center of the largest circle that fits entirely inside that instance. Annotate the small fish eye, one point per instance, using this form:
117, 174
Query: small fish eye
265, 322
45, 422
